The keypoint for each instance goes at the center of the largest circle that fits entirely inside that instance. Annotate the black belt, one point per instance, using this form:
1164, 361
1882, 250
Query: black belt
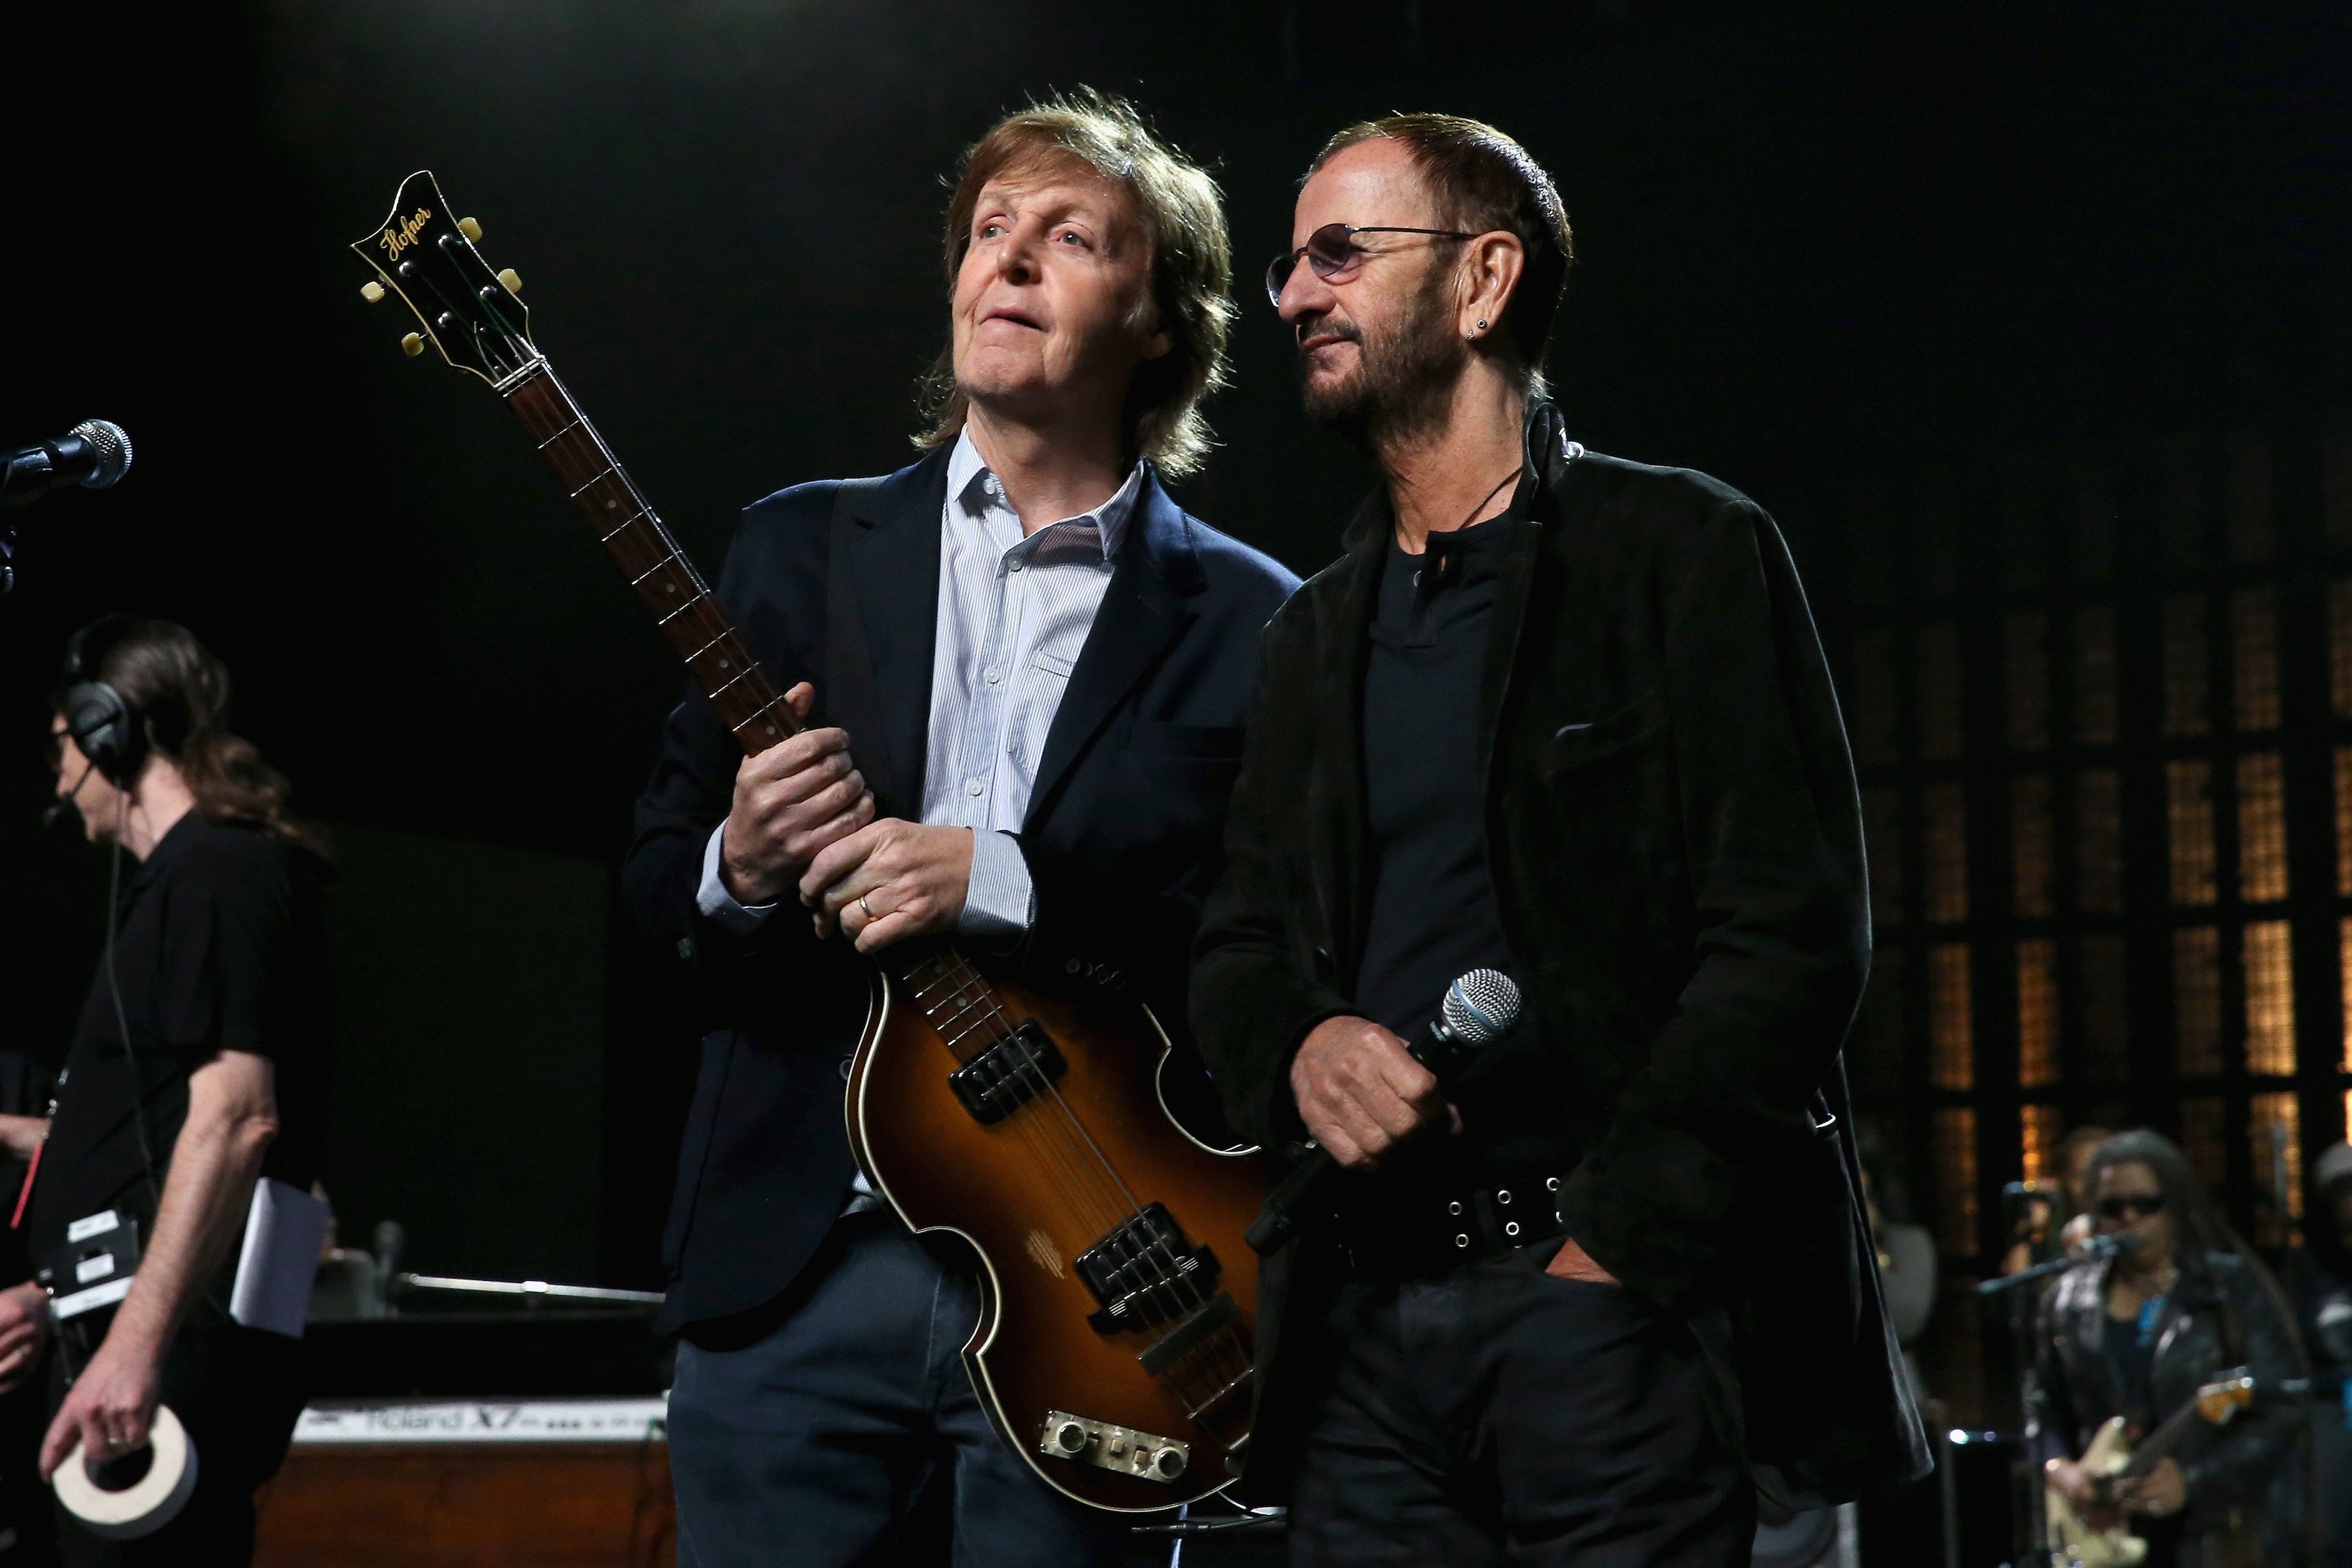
1429, 1234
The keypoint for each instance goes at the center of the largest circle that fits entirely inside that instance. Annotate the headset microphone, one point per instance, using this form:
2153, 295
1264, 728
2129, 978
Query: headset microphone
59, 809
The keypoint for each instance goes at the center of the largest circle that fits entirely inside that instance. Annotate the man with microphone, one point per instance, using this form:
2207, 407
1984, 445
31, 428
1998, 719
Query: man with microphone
1563, 716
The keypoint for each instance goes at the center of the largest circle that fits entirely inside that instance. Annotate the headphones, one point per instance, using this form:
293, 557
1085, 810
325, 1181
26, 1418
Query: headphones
109, 731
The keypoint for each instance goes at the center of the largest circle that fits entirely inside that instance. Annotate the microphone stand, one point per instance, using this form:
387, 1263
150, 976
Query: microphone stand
2097, 1249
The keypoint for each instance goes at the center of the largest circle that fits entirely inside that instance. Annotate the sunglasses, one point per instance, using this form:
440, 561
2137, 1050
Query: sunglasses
2123, 1209
1335, 256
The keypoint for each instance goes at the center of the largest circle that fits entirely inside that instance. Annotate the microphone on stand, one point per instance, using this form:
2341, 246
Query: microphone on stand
1478, 1008
93, 454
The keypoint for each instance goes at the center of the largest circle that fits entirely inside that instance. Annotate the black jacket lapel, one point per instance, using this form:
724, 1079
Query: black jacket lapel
1142, 612
1335, 792
1547, 453
885, 569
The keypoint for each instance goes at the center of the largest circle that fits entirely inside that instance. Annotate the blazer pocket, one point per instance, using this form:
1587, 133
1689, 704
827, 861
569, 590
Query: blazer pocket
1208, 742
1585, 742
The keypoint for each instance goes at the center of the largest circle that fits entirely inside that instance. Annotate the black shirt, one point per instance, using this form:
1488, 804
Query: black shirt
1432, 914
220, 945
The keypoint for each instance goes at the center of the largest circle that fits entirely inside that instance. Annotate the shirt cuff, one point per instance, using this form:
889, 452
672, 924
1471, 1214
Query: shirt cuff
1001, 902
718, 905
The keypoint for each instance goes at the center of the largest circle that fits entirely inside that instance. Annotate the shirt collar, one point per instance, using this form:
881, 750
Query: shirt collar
973, 489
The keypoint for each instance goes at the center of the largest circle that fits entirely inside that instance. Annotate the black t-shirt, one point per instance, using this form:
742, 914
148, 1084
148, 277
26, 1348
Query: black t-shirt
1432, 914
222, 945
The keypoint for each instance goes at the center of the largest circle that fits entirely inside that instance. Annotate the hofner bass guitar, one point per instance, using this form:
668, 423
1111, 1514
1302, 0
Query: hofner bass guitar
1114, 1348
2074, 1542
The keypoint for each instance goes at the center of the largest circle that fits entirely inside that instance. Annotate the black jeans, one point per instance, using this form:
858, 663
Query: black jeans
238, 1391
1494, 1413
807, 1440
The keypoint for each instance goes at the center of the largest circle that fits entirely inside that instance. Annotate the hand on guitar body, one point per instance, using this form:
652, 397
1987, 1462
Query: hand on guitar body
792, 801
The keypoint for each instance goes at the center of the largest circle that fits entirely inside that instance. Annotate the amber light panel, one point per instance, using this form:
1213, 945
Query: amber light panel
2270, 999
1955, 1177
1951, 1030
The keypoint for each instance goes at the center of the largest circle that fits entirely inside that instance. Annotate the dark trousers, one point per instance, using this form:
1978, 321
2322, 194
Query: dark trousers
806, 1439
238, 1391
1494, 1413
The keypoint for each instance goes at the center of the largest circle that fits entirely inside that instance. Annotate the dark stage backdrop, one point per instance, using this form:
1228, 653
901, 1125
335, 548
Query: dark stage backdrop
1815, 239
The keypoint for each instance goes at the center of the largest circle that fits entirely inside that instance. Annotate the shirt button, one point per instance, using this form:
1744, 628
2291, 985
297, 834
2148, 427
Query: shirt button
993, 674
1015, 566
971, 787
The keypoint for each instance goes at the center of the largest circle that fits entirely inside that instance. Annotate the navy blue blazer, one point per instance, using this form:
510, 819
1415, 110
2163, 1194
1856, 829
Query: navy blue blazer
1123, 836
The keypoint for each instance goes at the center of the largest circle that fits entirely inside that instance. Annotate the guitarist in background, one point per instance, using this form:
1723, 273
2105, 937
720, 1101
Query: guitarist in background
2137, 1335
1027, 671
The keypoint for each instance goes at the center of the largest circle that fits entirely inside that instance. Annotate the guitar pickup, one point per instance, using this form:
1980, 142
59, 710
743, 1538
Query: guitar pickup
1008, 1074
1146, 1272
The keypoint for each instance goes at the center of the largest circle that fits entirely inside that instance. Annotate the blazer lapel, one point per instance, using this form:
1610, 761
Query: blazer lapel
1142, 612
887, 628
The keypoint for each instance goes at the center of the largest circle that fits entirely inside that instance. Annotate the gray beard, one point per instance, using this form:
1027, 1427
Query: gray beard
1402, 384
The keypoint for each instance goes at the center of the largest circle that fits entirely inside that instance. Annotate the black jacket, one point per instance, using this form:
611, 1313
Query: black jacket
838, 584
1674, 838
2218, 1317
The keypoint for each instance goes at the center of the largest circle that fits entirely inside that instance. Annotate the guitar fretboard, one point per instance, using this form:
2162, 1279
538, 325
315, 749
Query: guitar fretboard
664, 582
939, 980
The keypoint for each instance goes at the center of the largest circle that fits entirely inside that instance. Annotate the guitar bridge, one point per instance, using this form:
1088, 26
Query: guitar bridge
1008, 1074
1146, 1272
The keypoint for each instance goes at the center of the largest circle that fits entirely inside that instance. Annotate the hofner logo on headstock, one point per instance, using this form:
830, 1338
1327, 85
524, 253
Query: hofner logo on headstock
399, 236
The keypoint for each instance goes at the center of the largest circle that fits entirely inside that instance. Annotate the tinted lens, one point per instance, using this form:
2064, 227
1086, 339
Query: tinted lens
1331, 252
2123, 1209
1277, 273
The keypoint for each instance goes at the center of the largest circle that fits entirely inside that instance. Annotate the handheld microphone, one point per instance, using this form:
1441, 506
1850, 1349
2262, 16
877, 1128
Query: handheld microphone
93, 454
1478, 1008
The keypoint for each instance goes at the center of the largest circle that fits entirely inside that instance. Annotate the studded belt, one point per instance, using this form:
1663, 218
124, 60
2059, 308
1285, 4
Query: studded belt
1429, 1235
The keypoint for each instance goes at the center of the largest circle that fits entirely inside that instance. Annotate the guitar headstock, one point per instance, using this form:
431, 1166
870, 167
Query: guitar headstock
474, 316
2226, 1395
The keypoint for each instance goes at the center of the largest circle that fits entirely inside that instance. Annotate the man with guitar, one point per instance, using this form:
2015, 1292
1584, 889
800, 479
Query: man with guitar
1565, 716
1026, 670
2137, 1336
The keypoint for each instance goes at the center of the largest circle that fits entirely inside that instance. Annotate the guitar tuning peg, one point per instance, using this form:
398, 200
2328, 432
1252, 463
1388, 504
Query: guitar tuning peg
512, 279
470, 229
372, 291
413, 345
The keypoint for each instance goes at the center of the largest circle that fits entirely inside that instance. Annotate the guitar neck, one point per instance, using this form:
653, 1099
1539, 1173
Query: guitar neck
664, 582
938, 977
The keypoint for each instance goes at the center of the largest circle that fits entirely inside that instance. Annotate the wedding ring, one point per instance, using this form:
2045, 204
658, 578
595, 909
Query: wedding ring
868, 907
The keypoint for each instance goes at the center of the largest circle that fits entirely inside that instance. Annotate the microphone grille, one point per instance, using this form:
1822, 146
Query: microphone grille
1480, 1005
113, 449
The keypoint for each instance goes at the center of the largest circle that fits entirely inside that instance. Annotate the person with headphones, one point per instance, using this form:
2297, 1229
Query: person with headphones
198, 1069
